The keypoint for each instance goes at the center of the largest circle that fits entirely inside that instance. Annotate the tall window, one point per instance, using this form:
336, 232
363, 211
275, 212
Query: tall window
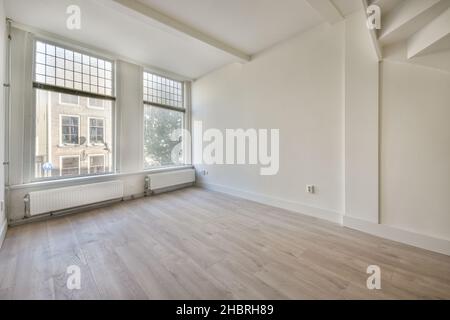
164, 114
74, 112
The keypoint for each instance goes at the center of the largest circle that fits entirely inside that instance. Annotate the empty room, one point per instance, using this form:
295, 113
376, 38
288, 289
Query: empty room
212, 150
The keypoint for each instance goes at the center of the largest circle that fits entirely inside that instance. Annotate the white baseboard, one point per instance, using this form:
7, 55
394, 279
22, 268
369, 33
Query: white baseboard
275, 202
399, 235
383, 231
3, 228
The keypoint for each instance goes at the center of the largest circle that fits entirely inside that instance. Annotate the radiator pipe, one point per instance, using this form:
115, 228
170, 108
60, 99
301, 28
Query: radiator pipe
26, 201
146, 186
7, 99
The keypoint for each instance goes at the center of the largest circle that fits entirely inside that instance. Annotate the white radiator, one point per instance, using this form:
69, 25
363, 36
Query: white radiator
54, 200
156, 181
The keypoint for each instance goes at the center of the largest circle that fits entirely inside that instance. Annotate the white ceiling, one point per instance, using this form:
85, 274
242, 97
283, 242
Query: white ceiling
247, 25
347, 7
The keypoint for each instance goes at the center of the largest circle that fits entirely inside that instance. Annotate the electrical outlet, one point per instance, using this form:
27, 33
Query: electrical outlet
2, 206
205, 172
310, 189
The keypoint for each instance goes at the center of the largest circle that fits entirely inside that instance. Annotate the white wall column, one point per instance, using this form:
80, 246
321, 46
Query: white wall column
361, 122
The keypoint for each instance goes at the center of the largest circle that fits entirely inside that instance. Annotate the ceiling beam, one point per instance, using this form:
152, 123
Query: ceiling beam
164, 19
409, 17
431, 35
327, 10
385, 5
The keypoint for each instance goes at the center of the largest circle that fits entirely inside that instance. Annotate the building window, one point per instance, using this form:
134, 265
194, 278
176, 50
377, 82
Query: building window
96, 103
70, 128
164, 117
69, 166
69, 99
71, 69
96, 164
96, 131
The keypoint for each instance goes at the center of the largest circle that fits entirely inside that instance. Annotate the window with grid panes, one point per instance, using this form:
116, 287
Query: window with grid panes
74, 111
65, 68
164, 116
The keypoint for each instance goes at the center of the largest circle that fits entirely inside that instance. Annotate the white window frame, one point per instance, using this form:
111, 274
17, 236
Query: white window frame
105, 91
89, 131
69, 104
97, 155
61, 131
90, 106
65, 157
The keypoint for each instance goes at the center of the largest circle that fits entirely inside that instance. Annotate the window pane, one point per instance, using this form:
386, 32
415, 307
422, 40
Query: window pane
63, 131
160, 126
40, 47
96, 164
40, 58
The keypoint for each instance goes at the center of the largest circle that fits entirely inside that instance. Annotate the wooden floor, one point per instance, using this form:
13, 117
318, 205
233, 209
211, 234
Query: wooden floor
197, 244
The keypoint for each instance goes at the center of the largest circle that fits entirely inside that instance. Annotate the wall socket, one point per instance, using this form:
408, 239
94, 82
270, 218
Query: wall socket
204, 172
2, 206
310, 189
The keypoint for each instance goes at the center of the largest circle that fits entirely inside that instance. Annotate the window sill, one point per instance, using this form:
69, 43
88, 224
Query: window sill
62, 146
91, 179
96, 145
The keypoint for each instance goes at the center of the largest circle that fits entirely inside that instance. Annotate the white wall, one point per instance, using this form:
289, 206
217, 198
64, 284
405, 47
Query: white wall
296, 87
415, 149
2, 120
439, 60
130, 117
361, 121
21, 139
